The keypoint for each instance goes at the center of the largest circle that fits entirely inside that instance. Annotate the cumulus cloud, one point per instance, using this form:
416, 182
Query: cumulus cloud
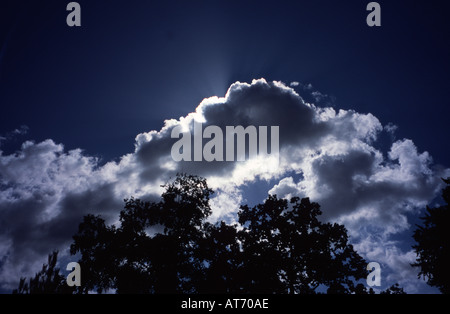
325, 154
43, 192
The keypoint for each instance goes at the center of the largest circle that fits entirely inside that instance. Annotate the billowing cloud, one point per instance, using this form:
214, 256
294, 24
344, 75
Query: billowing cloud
327, 155
44, 191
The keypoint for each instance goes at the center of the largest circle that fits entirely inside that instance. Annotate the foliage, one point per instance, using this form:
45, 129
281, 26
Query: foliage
432, 248
48, 280
168, 246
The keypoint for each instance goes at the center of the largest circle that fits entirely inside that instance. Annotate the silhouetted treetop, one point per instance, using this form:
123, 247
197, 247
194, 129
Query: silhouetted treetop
298, 251
168, 246
433, 247
48, 280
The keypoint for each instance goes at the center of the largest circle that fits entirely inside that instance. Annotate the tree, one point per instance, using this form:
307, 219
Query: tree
220, 250
432, 248
168, 246
48, 280
394, 289
288, 250
156, 247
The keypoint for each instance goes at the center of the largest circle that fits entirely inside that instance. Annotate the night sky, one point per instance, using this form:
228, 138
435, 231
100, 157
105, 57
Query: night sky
81, 108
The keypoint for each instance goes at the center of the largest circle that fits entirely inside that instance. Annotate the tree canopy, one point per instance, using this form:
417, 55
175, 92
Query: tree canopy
279, 246
432, 248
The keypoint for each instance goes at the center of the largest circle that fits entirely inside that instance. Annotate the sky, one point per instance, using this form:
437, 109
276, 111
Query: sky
87, 114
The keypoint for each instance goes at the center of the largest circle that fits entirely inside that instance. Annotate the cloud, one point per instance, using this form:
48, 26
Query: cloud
43, 192
22, 130
387, 252
391, 128
327, 155
318, 96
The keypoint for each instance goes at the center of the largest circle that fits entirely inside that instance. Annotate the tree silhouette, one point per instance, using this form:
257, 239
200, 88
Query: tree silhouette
394, 289
295, 251
221, 253
48, 280
433, 249
168, 246
156, 247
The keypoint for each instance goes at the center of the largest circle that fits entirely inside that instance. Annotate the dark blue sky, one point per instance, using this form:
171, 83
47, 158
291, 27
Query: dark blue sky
133, 64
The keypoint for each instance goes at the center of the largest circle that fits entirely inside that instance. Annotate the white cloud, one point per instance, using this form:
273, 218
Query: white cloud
388, 253
225, 204
391, 128
44, 191
22, 130
318, 96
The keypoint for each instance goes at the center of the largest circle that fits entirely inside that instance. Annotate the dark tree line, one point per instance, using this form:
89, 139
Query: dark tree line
433, 244
279, 246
